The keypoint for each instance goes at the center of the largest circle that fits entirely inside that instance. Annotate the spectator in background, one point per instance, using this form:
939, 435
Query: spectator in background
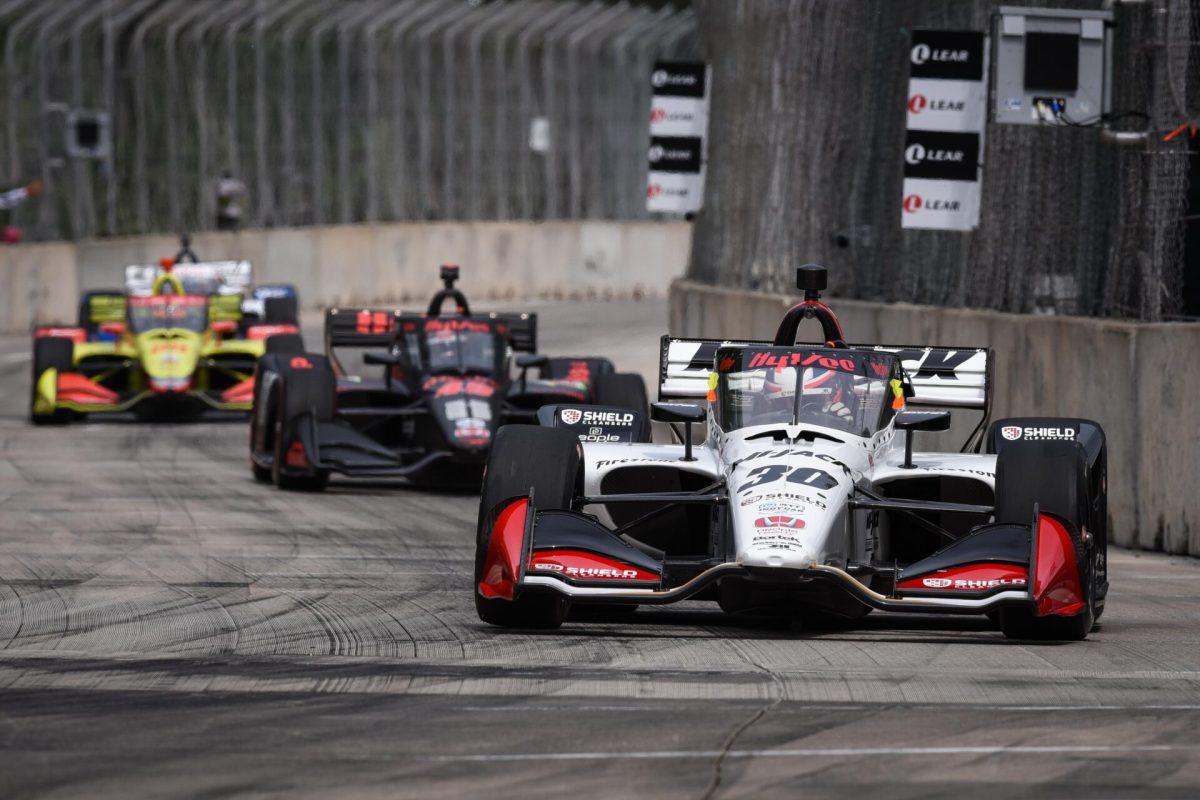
230, 192
11, 234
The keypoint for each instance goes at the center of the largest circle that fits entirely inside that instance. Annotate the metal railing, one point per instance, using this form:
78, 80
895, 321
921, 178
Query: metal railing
331, 111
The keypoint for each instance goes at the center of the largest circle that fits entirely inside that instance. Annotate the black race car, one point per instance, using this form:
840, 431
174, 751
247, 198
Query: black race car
445, 383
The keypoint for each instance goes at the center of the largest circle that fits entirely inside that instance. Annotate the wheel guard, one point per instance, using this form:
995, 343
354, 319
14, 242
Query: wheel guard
1000, 558
561, 546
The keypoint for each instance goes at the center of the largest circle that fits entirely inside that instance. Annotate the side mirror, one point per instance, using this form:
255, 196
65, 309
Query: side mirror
909, 421
224, 327
381, 357
686, 413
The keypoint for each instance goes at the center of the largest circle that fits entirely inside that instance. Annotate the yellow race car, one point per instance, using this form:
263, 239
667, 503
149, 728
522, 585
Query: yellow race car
166, 354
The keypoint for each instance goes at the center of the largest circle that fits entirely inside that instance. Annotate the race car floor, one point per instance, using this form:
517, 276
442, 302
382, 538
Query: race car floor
170, 628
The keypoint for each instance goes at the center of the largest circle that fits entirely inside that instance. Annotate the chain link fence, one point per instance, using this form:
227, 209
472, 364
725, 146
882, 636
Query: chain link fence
332, 111
805, 165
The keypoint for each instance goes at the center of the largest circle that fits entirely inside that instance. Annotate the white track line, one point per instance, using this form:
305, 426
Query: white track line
13, 358
832, 752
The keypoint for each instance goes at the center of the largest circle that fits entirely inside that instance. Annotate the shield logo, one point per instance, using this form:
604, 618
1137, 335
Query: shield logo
1011, 432
571, 416
936, 583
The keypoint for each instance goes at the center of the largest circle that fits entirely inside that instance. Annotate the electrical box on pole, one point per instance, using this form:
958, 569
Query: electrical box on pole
1052, 66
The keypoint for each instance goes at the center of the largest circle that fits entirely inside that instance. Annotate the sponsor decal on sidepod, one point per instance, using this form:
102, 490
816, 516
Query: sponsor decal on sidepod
1014, 432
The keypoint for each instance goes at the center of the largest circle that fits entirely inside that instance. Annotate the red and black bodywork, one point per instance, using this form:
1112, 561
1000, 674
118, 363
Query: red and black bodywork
443, 384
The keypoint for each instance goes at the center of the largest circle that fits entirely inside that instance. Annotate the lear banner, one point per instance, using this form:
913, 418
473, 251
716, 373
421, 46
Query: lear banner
678, 124
946, 115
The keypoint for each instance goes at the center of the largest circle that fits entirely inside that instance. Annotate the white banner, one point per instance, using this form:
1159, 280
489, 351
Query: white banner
935, 105
941, 205
946, 111
675, 192
678, 124
678, 116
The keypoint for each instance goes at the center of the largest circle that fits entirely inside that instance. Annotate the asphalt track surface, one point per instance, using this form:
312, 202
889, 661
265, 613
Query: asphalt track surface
170, 628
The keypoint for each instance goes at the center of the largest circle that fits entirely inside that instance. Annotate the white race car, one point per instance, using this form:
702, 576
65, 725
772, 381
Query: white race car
805, 498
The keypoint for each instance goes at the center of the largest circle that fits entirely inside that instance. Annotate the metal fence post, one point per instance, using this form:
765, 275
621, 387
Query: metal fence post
425, 156
375, 124
552, 83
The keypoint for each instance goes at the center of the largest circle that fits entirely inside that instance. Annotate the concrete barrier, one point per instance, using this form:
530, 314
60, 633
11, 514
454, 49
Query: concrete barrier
382, 263
1139, 381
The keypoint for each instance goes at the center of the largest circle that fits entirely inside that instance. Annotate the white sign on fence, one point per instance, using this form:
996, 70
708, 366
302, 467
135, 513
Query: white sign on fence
678, 125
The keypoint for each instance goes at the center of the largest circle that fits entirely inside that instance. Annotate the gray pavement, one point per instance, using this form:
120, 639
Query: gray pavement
170, 628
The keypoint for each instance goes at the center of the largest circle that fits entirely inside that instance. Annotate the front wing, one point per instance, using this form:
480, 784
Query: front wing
573, 555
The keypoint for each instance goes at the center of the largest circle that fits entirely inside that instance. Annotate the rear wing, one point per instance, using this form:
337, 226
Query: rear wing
204, 277
945, 377
376, 327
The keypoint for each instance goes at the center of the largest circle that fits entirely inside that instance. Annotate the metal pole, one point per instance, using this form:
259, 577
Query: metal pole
346, 119
48, 208
138, 48
264, 193
288, 113
424, 82
451, 127
628, 148
114, 22
575, 108
81, 201
231, 84
205, 199
12, 36
551, 84
375, 120
174, 90
399, 183
503, 161
524, 53
501, 13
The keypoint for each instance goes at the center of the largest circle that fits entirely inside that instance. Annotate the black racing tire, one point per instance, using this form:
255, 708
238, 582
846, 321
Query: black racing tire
1053, 475
285, 343
524, 457
263, 410
301, 392
624, 390
49, 352
280, 311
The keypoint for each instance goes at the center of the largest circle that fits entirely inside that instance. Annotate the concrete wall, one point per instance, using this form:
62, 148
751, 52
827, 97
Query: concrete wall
1141, 382
384, 263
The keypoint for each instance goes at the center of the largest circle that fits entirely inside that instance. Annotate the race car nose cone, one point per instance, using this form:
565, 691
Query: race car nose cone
778, 558
170, 385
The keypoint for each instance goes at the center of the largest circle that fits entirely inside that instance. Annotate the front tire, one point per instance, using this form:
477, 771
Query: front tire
525, 458
1052, 475
305, 394
49, 352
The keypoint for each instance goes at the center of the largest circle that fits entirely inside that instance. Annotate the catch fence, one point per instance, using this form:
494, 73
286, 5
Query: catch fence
332, 111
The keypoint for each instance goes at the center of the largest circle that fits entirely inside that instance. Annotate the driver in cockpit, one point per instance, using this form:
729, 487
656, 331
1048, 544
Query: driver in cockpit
827, 395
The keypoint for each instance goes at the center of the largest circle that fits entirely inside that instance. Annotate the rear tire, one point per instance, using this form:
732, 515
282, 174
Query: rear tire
49, 352
302, 393
1053, 475
624, 390
525, 457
